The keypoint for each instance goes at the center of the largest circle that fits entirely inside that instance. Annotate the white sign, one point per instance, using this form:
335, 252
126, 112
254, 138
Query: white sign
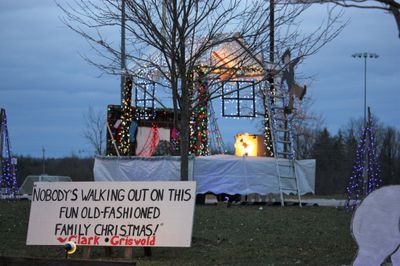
112, 213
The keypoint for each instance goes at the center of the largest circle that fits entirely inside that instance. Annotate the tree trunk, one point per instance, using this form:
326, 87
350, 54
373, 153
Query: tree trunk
185, 117
396, 14
174, 83
185, 104
184, 138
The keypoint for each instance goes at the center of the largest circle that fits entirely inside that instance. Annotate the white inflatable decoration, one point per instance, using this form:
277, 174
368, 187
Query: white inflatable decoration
376, 227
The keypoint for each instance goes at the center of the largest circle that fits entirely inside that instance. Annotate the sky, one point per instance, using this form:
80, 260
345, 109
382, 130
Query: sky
46, 87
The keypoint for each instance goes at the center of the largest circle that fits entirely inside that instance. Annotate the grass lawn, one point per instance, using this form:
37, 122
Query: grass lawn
239, 235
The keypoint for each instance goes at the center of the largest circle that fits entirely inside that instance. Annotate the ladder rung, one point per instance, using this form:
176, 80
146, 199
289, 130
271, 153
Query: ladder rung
289, 189
284, 141
278, 107
278, 96
279, 111
284, 152
288, 177
282, 158
284, 165
282, 130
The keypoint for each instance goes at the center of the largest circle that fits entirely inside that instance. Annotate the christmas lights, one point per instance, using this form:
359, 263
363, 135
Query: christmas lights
366, 173
145, 95
175, 140
126, 118
199, 118
267, 121
242, 71
8, 179
140, 118
240, 96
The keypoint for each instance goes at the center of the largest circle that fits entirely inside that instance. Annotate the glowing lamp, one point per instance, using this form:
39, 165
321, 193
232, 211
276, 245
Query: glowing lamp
249, 145
70, 248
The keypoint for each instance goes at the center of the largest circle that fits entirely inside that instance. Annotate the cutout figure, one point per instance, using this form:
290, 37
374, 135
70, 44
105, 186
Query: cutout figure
376, 227
294, 89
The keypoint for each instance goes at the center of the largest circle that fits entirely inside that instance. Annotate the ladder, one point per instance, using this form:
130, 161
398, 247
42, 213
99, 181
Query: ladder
216, 143
282, 141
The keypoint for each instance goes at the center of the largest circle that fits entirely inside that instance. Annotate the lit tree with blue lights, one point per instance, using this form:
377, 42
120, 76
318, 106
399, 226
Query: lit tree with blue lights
366, 172
8, 181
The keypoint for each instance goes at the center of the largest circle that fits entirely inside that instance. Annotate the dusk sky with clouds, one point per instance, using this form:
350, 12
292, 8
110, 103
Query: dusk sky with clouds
46, 86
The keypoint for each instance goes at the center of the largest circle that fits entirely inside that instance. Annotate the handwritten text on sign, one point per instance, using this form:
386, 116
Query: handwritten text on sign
112, 213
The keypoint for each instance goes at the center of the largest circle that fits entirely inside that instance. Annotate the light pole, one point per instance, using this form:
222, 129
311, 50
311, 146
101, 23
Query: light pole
123, 61
43, 162
365, 55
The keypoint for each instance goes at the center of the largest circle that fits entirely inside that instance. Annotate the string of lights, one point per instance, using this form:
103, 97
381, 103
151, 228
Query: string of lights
140, 118
8, 180
236, 71
126, 118
239, 97
145, 94
175, 140
267, 121
199, 119
366, 172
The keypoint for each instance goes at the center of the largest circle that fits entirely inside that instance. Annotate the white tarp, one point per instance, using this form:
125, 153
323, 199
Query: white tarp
158, 168
216, 174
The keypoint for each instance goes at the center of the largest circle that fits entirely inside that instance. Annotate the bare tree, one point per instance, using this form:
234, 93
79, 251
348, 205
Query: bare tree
94, 131
170, 41
389, 155
306, 126
354, 127
390, 6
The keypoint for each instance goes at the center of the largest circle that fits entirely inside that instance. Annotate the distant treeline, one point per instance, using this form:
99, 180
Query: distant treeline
335, 155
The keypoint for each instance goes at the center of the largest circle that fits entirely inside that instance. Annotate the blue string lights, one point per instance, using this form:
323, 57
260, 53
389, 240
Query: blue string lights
8, 180
366, 172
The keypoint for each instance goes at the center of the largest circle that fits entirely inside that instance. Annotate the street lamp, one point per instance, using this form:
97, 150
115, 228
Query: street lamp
365, 55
